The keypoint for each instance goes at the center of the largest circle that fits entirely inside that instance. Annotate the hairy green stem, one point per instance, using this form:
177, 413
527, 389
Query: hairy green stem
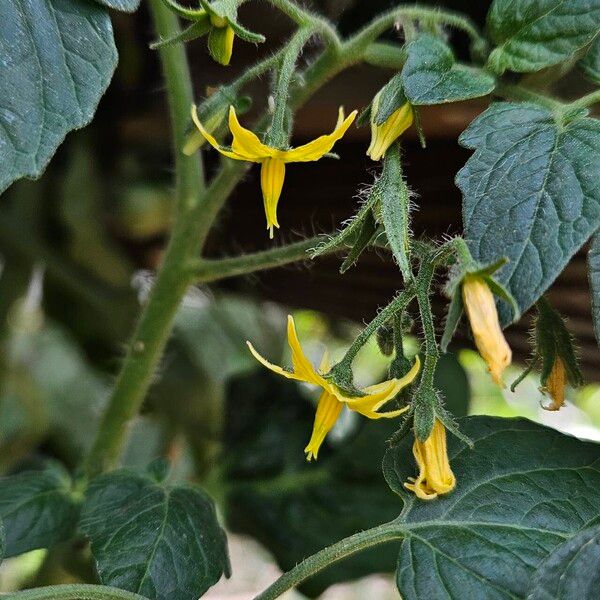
423, 287
385, 55
206, 270
523, 94
381, 534
278, 134
585, 101
75, 591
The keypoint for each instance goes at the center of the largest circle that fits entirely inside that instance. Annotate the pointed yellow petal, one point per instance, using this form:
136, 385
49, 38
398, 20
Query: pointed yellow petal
272, 174
245, 142
275, 368
210, 139
302, 366
328, 411
323, 144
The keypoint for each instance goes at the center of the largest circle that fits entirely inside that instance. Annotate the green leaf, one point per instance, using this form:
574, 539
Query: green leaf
590, 63
571, 571
293, 507
531, 192
432, 76
367, 231
38, 509
61, 59
390, 99
594, 273
534, 34
123, 5
395, 206
522, 491
158, 541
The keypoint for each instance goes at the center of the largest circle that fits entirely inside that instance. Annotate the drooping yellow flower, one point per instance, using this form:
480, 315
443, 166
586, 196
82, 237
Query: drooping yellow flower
435, 475
246, 146
333, 399
384, 135
555, 385
483, 317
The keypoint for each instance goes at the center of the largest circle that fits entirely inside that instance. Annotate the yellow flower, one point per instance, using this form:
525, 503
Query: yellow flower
384, 135
247, 146
555, 385
333, 399
435, 475
483, 317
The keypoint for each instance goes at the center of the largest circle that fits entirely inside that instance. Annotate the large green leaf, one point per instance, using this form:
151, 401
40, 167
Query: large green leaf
293, 507
531, 192
38, 509
158, 541
432, 76
571, 571
124, 5
590, 63
522, 491
533, 34
594, 271
59, 56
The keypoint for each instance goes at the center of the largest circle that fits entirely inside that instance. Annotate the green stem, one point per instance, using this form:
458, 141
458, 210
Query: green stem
381, 534
382, 23
385, 55
278, 134
585, 101
213, 270
75, 591
396, 306
191, 225
306, 18
518, 92
423, 286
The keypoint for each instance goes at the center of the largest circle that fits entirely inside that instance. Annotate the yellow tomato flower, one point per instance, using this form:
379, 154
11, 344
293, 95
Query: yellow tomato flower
247, 146
333, 399
384, 135
481, 309
556, 384
435, 475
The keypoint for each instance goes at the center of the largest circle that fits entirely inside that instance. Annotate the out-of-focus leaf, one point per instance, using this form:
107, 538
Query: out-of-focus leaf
522, 491
534, 34
590, 63
432, 76
58, 59
293, 507
531, 193
571, 571
159, 541
38, 509
452, 381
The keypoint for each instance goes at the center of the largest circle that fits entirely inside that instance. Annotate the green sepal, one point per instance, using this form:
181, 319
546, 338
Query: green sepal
554, 339
389, 99
404, 429
449, 422
455, 311
364, 116
365, 235
425, 403
419, 126
501, 292
385, 339
395, 207
227, 10
193, 32
191, 14
246, 34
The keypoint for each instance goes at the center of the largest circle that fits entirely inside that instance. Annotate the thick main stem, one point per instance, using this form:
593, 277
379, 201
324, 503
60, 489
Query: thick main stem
154, 326
313, 564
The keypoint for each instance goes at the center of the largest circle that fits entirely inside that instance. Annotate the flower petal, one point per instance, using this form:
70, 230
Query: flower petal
302, 366
272, 174
328, 411
275, 368
245, 142
323, 144
210, 139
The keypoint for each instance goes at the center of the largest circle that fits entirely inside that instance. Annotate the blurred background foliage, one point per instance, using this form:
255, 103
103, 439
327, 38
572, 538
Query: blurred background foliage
78, 250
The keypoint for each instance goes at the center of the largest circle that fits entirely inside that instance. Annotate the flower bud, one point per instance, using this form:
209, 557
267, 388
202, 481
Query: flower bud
555, 385
220, 41
481, 309
385, 134
435, 475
